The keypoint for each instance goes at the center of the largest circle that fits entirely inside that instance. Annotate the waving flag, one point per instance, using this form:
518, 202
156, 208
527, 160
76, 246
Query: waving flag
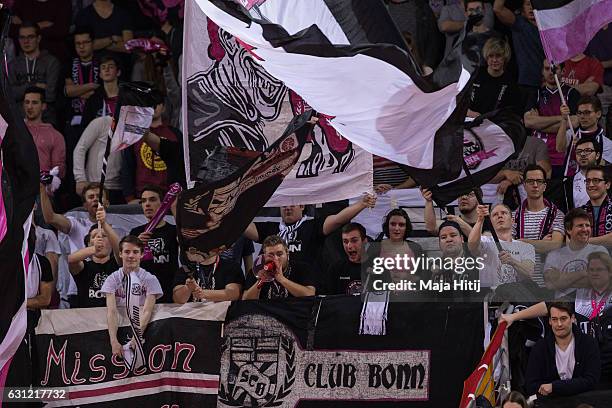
481, 383
347, 60
567, 26
230, 100
235, 185
19, 173
489, 141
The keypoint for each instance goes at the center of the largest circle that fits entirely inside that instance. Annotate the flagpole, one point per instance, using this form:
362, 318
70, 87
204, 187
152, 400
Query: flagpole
468, 173
109, 137
563, 101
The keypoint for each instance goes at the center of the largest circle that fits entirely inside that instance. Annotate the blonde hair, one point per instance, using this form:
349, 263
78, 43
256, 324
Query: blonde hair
497, 46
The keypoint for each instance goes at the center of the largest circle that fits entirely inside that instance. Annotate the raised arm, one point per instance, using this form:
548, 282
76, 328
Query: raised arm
251, 232
335, 221
476, 233
60, 222
110, 232
503, 13
431, 225
75, 259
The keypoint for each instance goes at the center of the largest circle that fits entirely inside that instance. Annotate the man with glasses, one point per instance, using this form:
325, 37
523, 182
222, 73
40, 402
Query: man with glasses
81, 80
599, 206
589, 113
574, 187
35, 67
537, 221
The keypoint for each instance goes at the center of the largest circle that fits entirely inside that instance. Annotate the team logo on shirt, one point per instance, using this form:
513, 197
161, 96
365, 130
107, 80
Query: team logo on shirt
150, 159
137, 289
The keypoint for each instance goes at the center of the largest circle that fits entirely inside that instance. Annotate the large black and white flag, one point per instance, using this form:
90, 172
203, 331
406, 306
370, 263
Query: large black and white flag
231, 100
347, 60
489, 141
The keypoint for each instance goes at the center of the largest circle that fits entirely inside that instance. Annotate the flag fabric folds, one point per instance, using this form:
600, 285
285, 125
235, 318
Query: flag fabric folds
235, 185
489, 141
346, 59
19, 174
482, 382
567, 26
231, 100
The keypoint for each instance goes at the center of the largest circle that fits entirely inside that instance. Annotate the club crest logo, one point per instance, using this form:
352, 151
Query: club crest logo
261, 371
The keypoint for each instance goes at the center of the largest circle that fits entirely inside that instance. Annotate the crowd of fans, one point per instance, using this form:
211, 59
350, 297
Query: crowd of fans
66, 61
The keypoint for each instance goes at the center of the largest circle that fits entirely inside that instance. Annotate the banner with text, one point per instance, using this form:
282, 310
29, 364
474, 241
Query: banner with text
181, 346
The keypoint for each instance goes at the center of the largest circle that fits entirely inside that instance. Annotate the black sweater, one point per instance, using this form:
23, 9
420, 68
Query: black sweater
542, 368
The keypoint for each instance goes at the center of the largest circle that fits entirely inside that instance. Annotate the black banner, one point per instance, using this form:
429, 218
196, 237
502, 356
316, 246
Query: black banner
182, 364
307, 353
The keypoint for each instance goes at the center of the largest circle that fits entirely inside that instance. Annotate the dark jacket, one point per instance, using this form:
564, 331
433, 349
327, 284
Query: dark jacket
542, 368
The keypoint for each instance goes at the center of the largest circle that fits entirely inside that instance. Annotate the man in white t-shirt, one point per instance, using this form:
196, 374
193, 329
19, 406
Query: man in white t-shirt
537, 221
73, 230
566, 268
515, 262
144, 289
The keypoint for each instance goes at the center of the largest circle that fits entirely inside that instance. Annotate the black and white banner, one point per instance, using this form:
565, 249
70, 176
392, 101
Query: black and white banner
231, 100
488, 143
329, 53
181, 348
308, 353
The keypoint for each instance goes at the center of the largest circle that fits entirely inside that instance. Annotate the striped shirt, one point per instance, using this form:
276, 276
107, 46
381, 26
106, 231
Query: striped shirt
534, 221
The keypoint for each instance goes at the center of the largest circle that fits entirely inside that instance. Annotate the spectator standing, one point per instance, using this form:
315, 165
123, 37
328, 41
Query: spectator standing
49, 142
494, 88
600, 48
91, 265
52, 17
88, 158
543, 115
575, 187
583, 73
516, 260
454, 15
35, 67
344, 276
111, 27
104, 99
81, 80
161, 241
114, 288
537, 221
141, 165
589, 113
527, 45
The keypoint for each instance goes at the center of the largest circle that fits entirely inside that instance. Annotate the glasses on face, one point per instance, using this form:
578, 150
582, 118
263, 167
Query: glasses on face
593, 181
538, 182
584, 113
584, 152
27, 37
